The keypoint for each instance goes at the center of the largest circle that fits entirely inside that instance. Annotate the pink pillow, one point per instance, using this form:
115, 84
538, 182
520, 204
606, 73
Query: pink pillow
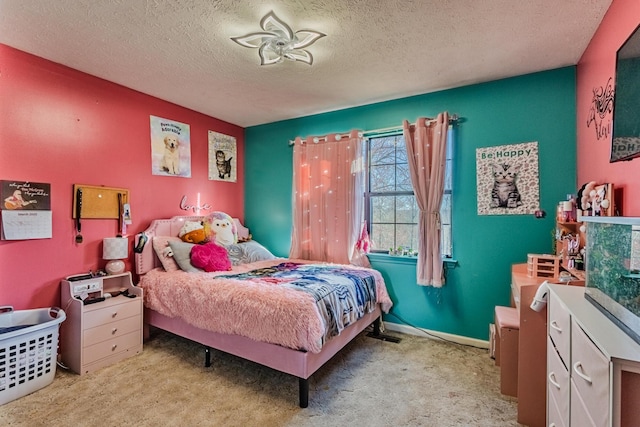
210, 257
161, 246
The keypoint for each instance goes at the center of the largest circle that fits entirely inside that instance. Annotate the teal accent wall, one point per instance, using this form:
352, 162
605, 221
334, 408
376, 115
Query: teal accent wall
534, 107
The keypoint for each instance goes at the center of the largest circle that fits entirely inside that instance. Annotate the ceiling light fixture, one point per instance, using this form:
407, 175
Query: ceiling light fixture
278, 41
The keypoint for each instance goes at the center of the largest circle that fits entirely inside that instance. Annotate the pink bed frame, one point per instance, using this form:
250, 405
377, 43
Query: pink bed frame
301, 364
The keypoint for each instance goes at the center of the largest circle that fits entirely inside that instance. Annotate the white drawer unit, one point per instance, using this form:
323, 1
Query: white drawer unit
580, 414
102, 333
593, 367
590, 373
557, 387
555, 419
560, 329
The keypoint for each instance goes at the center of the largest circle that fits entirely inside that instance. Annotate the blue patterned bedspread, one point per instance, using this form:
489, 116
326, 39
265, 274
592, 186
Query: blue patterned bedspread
342, 294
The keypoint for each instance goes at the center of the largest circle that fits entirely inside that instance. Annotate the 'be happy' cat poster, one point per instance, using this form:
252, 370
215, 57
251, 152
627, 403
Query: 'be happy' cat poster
507, 179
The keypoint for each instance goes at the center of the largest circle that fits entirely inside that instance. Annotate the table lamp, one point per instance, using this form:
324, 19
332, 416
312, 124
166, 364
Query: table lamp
116, 250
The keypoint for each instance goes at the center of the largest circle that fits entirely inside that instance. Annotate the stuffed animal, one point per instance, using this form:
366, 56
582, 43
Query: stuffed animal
223, 229
593, 197
584, 197
210, 257
194, 232
599, 199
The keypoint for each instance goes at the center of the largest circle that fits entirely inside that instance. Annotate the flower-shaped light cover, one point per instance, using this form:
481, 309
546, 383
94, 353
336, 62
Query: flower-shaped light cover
278, 41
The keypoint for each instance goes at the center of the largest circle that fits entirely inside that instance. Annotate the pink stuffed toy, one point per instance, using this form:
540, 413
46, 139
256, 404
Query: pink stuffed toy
210, 257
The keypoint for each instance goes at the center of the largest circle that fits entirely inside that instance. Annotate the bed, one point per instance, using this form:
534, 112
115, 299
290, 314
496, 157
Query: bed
272, 311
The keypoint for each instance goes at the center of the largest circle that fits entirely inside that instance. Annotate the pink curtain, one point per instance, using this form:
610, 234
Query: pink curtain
426, 143
328, 199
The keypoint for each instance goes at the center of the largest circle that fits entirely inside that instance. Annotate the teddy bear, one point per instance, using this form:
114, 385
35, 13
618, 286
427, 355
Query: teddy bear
210, 257
194, 232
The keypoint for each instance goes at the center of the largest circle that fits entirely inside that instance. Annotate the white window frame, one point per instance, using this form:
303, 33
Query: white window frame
445, 209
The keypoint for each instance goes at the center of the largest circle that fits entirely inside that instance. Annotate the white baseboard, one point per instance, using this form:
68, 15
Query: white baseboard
410, 330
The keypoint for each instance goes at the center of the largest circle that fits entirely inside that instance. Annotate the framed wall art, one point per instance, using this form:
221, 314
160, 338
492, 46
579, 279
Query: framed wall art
26, 210
508, 182
170, 148
222, 157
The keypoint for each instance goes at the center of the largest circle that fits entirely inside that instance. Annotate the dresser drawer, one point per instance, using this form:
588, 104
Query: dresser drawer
579, 414
560, 328
590, 373
111, 330
110, 347
558, 384
554, 418
112, 312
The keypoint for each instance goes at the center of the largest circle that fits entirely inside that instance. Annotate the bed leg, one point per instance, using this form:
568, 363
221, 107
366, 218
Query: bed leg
377, 334
304, 392
207, 357
376, 326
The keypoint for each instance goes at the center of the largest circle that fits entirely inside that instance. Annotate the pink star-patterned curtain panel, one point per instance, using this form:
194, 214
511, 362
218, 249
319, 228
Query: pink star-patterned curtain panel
328, 199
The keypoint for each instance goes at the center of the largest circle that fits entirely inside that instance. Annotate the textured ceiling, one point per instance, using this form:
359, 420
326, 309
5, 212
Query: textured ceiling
375, 50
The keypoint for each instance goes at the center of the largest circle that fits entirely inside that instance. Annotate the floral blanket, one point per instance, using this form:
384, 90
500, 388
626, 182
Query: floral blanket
288, 302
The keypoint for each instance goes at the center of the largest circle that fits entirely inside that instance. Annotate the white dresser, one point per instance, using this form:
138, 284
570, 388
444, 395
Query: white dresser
100, 334
593, 367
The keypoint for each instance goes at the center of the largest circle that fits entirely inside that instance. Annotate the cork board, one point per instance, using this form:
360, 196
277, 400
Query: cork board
99, 202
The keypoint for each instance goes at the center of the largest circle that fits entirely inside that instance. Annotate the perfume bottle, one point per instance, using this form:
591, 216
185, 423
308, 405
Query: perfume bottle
560, 212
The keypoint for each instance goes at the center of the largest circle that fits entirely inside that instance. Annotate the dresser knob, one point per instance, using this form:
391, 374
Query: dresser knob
115, 313
113, 331
113, 347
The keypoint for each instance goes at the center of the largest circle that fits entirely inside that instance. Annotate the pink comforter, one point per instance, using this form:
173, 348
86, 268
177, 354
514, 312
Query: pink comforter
254, 309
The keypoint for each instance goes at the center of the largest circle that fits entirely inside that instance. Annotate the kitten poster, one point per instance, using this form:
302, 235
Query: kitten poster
508, 182
222, 157
170, 148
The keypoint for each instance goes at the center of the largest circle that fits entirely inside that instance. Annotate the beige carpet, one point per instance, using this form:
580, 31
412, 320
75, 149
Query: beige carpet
418, 382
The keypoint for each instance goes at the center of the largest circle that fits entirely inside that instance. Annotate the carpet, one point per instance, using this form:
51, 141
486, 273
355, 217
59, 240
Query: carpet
418, 382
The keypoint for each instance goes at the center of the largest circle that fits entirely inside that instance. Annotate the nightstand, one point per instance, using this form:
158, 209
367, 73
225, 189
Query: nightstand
100, 334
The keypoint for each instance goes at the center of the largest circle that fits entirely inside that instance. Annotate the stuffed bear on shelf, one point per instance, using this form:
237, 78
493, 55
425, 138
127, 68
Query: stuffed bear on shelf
593, 199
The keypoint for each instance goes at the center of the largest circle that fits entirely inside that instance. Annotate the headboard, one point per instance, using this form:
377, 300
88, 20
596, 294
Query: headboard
147, 260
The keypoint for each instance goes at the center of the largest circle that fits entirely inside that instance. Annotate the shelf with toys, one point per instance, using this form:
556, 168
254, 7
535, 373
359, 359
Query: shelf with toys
570, 233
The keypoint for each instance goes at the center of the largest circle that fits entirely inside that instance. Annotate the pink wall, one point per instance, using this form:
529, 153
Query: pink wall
64, 127
595, 68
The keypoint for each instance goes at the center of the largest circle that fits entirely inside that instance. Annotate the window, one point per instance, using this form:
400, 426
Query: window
390, 205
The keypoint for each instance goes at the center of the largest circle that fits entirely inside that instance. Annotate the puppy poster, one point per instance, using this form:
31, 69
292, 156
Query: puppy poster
222, 157
170, 148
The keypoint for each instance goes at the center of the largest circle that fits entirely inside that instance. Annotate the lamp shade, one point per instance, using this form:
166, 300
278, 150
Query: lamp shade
115, 249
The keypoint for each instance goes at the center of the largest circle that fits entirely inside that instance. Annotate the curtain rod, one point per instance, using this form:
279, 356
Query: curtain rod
453, 119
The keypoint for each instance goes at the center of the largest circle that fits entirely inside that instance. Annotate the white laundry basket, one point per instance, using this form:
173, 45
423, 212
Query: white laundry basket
28, 350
